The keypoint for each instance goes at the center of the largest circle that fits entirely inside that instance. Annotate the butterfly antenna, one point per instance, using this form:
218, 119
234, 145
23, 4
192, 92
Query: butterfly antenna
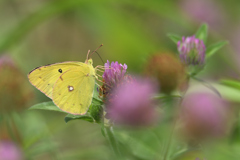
96, 50
88, 54
100, 57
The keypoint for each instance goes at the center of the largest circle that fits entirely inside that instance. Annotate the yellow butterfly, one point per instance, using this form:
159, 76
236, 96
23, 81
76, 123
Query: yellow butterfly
69, 84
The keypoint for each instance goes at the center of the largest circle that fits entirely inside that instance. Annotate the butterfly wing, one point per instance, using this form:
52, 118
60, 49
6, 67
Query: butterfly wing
44, 77
73, 91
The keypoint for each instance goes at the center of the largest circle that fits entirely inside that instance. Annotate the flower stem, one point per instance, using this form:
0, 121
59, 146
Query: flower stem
109, 134
165, 157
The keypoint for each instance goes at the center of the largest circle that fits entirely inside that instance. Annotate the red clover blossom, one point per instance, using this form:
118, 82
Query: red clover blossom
10, 151
114, 73
132, 104
204, 115
128, 101
192, 51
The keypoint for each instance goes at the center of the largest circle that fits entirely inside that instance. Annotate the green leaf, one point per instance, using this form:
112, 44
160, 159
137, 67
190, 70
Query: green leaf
175, 38
208, 85
96, 95
111, 137
202, 33
195, 70
143, 144
85, 117
227, 92
231, 83
164, 96
96, 111
212, 49
46, 106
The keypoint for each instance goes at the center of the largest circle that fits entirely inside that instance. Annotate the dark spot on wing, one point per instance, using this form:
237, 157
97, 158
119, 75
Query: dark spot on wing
35, 69
39, 68
60, 70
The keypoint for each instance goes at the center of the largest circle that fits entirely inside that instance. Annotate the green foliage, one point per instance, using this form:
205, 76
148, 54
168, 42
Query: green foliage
202, 33
175, 38
85, 117
228, 92
130, 30
96, 111
231, 83
25, 26
141, 144
212, 49
46, 106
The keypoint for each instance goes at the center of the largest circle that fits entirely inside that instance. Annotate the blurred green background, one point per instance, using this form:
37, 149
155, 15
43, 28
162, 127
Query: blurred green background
40, 32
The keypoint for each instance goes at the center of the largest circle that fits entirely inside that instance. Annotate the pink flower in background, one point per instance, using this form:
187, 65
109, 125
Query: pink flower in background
208, 11
6, 60
204, 115
9, 151
191, 51
132, 104
15, 92
234, 42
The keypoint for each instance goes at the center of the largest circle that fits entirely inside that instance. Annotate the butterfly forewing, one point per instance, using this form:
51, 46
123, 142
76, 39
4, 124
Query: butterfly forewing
73, 91
44, 78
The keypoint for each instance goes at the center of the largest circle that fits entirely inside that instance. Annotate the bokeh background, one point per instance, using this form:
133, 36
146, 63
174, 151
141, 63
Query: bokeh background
40, 32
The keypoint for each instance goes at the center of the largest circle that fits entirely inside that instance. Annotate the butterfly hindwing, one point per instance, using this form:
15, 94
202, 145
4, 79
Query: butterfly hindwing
73, 91
44, 77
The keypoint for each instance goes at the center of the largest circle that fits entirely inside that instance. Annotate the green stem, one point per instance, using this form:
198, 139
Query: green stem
109, 134
7, 120
169, 142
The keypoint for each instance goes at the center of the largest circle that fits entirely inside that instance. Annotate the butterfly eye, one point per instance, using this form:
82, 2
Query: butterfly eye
60, 70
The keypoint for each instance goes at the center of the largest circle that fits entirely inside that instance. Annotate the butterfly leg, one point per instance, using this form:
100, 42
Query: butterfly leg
99, 70
102, 67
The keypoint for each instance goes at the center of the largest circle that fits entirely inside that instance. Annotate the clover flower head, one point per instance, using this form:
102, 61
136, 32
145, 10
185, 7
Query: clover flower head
192, 51
132, 104
114, 72
6, 60
9, 151
15, 88
204, 115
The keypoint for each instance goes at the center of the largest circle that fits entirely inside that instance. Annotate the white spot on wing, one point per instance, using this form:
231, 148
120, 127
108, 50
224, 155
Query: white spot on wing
70, 88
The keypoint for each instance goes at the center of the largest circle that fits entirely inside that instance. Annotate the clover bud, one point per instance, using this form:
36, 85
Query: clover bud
192, 51
167, 70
